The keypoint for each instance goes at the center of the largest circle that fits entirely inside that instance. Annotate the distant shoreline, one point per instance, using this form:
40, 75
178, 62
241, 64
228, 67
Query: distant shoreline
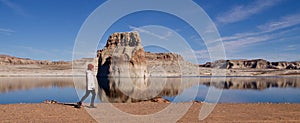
20, 67
50, 75
83, 75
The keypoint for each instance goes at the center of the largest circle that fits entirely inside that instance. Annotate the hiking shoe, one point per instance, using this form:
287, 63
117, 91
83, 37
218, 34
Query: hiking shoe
92, 106
79, 103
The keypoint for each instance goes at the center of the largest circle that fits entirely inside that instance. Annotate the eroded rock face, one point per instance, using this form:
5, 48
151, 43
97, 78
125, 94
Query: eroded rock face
169, 64
123, 56
257, 63
163, 57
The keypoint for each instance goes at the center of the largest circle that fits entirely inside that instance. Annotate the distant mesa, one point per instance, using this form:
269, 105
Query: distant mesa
11, 60
252, 64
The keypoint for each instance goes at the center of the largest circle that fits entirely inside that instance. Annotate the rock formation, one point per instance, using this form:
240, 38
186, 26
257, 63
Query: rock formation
163, 57
122, 56
169, 64
10, 60
252, 64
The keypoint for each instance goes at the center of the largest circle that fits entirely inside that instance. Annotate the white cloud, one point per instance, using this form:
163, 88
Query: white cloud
284, 22
235, 45
14, 7
195, 38
291, 47
33, 50
141, 30
250, 39
210, 29
202, 54
37, 53
242, 12
276, 29
6, 31
246, 41
282, 56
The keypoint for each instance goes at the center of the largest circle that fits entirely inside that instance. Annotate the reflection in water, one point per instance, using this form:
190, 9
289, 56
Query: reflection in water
8, 84
258, 83
139, 89
136, 89
36, 90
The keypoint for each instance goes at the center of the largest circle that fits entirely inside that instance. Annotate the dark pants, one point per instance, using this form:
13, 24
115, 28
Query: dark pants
87, 93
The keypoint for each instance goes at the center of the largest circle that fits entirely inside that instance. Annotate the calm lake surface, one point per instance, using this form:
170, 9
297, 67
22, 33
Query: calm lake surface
122, 90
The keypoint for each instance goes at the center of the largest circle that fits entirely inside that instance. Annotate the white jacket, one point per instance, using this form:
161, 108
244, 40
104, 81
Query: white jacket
90, 80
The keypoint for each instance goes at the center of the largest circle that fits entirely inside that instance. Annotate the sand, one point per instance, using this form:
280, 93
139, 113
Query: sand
56, 113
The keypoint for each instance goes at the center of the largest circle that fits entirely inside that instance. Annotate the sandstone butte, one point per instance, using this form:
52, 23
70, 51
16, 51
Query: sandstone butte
122, 56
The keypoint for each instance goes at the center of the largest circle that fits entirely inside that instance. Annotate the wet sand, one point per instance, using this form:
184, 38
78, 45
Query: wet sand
239, 112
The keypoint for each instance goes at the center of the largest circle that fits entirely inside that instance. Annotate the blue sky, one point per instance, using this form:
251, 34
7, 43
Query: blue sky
250, 29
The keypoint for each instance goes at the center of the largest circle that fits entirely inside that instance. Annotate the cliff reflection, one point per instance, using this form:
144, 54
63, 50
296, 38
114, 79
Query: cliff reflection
8, 84
137, 89
258, 83
124, 90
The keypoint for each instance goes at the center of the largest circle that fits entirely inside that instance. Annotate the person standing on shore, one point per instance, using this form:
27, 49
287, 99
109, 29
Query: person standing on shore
90, 86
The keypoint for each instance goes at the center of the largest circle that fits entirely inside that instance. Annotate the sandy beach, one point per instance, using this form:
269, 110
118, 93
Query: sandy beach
222, 113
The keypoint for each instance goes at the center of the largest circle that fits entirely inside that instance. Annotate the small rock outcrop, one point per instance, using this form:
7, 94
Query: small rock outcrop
122, 56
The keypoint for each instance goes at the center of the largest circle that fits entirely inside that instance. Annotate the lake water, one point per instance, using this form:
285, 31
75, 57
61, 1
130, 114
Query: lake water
234, 89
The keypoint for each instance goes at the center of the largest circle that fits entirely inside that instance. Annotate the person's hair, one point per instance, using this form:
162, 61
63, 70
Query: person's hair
90, 66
